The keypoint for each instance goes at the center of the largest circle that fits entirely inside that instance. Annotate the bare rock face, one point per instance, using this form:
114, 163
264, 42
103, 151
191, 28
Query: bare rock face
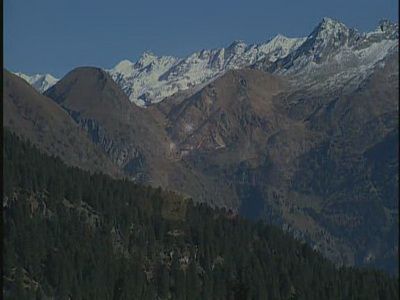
224, 111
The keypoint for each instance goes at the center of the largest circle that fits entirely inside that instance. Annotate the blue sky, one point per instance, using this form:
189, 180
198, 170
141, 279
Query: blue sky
54, 36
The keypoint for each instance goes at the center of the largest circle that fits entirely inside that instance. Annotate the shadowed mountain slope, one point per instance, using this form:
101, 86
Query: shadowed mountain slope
130, 135
37, 118
300, 158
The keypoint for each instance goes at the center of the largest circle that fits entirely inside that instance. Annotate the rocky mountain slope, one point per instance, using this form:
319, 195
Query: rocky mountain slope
123, 131
130, 136
38, 119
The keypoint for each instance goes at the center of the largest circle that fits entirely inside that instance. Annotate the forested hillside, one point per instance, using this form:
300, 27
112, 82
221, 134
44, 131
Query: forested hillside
72, 235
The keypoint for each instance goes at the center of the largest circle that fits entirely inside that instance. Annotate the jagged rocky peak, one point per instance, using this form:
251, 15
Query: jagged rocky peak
237, 46
389, 29
331, 25
387, 25
330, 29
146, 58
328, 37
386, 32
150, 61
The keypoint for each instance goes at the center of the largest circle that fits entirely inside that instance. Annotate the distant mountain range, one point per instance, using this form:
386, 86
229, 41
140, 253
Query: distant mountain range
330, 48
41, 82
301, 133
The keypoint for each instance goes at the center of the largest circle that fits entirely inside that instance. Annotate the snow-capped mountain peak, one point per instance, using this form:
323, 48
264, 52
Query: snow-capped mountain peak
330, 26
124, 67
41, 82
147, 58
322, 44
237, 46
330, 32
279, 39
329, 23
389, 29
280, 46
334, 56
387, 25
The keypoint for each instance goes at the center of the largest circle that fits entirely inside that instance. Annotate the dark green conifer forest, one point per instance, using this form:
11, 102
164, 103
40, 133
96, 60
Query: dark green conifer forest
69, 234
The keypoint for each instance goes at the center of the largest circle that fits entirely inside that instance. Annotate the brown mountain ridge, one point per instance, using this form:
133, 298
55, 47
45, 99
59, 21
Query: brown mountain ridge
37, 118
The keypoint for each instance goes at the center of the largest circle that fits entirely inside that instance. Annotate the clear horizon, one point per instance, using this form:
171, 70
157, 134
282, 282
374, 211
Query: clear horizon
48, 37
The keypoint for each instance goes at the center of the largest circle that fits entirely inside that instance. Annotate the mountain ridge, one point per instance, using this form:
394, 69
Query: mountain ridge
153, 78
